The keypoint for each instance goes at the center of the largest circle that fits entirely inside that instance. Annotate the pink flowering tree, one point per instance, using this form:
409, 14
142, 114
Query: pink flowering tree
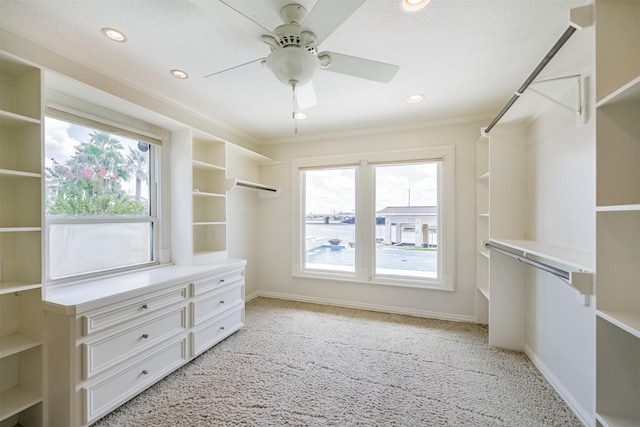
90, 182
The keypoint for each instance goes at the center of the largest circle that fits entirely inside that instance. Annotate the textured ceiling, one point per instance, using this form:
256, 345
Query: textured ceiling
466, 56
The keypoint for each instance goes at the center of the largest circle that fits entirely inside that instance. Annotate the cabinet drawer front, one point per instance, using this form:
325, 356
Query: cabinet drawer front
98, 321
216, 330
210, 284
109, 351
107, 395
214, 304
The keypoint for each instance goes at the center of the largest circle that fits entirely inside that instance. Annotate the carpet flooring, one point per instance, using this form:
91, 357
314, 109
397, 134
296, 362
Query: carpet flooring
298, 364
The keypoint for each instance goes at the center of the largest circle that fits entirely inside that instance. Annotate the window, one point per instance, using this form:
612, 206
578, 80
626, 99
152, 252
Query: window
100, 203
383, 217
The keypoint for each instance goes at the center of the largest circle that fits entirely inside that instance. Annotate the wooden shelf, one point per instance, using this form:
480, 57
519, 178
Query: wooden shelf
198, 164
629, 322
618, 208
19, 174
7, 118
612, 421
17, 399
12, 286
15, 343
573, 258
629, 92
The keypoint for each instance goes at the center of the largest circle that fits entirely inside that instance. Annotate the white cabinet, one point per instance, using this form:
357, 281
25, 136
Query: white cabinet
20, 243
109, 339
618, 213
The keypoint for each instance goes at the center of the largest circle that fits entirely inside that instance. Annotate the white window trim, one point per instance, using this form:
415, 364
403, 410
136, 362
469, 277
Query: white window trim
141, 132
365, 202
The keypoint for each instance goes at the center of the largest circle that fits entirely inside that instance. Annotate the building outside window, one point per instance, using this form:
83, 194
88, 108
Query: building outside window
382, 218
101, 200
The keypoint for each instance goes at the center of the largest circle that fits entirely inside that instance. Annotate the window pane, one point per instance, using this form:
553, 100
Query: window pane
329, 228
82, 248
407, 220
97, 191
90, 172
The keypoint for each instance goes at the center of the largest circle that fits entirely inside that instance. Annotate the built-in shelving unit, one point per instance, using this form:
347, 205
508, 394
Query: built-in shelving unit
618, 213
482, 212
500, 202
20, 243
199, 198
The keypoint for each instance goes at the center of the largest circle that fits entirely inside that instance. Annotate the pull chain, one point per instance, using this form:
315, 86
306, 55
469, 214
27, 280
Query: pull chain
294, 84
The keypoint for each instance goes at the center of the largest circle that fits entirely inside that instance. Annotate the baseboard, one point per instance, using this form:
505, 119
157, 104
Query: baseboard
584, 416
363, 306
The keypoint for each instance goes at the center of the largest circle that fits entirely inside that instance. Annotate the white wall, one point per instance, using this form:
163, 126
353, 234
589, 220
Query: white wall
275, 227
561, 199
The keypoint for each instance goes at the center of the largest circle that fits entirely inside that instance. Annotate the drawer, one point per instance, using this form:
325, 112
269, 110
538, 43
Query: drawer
101, 354
97, 321
213, 282
216, 330
105, 396
215, 303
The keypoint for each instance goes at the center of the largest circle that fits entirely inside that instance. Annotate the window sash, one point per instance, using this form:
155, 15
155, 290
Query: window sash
365, 214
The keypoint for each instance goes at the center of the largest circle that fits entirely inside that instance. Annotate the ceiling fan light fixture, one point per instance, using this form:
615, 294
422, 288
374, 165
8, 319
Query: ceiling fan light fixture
413, 5
414, 99
299, 116
115, 35
179, 74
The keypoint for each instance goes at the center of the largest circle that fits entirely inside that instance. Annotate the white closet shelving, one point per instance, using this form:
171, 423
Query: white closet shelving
20, 243
618, 213
199, 197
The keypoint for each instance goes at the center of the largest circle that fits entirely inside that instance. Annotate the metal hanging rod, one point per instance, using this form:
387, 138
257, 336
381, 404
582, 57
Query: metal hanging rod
255, 186
556, 47
549, 268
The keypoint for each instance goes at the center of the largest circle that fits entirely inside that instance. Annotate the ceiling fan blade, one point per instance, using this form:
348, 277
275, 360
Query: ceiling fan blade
219, 7
328, 15
306, 96
250, 64
360, 67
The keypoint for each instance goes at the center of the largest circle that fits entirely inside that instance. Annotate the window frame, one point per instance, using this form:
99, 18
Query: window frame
132, 130
365, 214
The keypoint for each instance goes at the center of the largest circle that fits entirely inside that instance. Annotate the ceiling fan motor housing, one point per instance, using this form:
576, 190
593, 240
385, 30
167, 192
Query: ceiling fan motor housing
293, 63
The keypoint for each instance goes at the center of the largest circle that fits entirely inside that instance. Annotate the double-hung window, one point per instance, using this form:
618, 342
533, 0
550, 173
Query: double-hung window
384, 217
101, 197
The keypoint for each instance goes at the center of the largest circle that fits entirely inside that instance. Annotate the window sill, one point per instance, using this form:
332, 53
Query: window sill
402, 282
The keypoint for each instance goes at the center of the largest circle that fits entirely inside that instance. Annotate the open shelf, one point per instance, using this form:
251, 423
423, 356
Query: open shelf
16, 343
573, 258
16, 400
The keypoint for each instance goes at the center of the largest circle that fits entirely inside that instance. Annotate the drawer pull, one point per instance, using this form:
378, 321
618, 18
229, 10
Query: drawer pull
222, 301
221, 281
222, 328
145, 306
145, 336
145, 372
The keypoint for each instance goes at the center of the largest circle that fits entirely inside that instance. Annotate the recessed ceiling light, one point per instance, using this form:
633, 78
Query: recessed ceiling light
299, 116
414, 99
115, 35
413, 5
179, 74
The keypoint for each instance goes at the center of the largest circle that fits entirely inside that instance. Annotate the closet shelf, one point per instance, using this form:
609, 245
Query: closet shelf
19, 229
618, 208
614, 421
630, 322
627, 93
12, 119
12, 286
204, 165
19, 174
17, 399
563, 260
573, 258
15, 343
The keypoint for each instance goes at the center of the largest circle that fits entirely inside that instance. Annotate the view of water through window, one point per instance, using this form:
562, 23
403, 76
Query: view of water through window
406, 230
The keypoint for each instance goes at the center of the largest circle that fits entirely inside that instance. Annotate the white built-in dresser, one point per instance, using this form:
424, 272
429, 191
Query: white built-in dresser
109, 339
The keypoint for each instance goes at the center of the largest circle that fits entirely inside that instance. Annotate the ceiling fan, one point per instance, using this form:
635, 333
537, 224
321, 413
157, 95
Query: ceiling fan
294, 56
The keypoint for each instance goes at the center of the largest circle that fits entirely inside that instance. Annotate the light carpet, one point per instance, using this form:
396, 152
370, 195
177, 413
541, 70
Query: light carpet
298, 364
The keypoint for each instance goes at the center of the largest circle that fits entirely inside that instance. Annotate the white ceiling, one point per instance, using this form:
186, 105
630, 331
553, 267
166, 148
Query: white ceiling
467, 57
